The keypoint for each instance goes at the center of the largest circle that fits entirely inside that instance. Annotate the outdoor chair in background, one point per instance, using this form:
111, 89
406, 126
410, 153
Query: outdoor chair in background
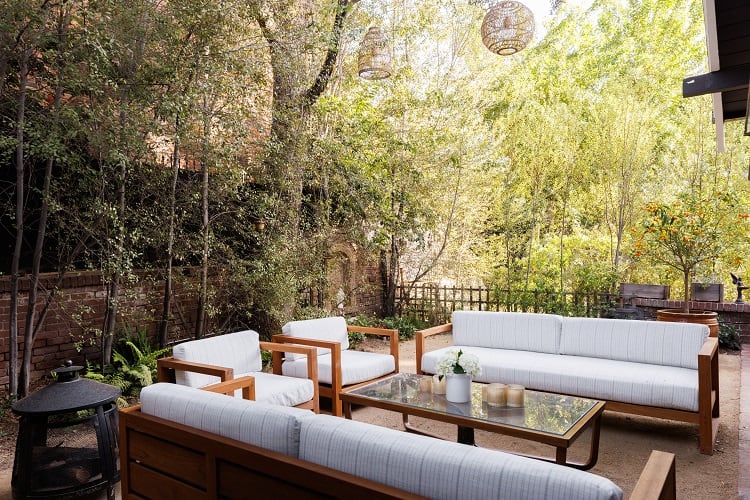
339, 368
201, 363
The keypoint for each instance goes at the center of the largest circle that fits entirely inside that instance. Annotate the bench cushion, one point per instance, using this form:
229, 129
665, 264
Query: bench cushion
356, 366
507, 330
271, 427
442, 469
239, 351
332, 329
654, 342
596, 378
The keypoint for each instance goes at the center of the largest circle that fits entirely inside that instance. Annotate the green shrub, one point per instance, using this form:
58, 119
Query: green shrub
729, 336
133, 366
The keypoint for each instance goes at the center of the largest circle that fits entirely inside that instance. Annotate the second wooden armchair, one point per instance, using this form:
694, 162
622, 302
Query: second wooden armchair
339, 368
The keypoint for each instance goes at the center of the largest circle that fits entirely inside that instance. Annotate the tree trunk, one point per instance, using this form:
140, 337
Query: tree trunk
167, 304
16, 259
203, 296
686, 282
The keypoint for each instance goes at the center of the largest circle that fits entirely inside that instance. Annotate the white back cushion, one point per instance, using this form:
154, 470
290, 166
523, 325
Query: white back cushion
507, 330
239, 351
441, 469
269, 426
655, 342
332, 329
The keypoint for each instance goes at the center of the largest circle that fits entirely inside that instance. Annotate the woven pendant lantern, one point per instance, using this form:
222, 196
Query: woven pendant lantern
507, 27
374, 59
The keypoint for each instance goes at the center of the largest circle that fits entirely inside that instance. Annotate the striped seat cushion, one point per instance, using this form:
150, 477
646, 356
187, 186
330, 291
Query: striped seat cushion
597, 378
442, 469
356, 366
271, 427
506, 330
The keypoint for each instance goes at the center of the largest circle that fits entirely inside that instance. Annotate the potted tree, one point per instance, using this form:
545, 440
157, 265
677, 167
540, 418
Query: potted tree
683, 234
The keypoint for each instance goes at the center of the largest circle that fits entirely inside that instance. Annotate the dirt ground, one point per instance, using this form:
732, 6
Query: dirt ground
625, 442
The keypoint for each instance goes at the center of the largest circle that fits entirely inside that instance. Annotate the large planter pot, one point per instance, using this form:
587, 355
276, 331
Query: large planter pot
710, 318
458, 388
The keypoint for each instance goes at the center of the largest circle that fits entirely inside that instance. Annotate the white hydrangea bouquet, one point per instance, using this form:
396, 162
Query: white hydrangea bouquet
458, 362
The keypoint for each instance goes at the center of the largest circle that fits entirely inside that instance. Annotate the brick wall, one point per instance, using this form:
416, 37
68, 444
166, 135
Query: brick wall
77, 314
728, 312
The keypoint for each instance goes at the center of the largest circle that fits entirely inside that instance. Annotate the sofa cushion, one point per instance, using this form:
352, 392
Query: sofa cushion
507, 330
332, 329
441, 469
239, 351
653, 342
597, 378
271, 427
356, 366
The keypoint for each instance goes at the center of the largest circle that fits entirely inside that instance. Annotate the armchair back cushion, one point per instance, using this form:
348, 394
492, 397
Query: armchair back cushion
239, 351
332, 329
652, 342
507, 330
272, 427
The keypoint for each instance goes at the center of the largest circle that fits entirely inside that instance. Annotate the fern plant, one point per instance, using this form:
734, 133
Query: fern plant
133, 365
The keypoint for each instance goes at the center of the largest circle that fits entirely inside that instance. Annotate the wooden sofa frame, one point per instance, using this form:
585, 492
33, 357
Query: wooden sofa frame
166, 367
707, 416
164, 459
333, 390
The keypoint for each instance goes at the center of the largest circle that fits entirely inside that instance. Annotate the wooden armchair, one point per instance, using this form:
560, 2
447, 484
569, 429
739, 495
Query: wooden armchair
339, 368
204, 362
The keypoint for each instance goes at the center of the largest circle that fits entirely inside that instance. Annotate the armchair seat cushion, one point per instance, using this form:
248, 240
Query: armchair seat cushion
281, 390
599, 378
272, 427
356, 367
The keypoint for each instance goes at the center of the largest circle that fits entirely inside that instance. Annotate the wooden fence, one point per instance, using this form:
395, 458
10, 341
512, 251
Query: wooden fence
434, 304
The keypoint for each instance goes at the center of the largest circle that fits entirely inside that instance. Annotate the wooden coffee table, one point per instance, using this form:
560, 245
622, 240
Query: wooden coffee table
553, 419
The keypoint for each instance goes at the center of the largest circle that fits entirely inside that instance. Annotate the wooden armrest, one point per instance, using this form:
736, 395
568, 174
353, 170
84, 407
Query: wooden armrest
246, 383
165, 365
421, 335
325, 344
709, 348
391, 333
427, 332
384, 332
281, 347
657, 481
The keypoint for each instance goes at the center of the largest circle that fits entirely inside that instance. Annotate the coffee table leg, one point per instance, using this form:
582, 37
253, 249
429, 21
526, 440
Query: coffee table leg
466, 435
347, 410
593, 450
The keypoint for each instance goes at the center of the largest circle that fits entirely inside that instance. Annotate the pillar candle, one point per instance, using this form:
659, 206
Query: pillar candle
515, 395
425, 384
438, 386
496, 394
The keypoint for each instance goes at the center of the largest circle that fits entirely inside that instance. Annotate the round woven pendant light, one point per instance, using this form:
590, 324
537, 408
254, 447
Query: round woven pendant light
507, 27
374, 59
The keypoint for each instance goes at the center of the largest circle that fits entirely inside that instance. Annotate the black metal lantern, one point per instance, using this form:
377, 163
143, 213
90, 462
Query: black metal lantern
67, 439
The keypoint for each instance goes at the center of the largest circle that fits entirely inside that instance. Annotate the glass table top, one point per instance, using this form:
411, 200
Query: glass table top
542, 411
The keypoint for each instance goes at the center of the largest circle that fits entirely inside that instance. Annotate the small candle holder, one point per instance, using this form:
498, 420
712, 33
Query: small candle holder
425, 384
496, 394
515, 395
438, 386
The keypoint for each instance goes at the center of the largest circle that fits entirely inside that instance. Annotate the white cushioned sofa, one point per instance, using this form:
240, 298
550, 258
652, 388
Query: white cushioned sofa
210, 360
190, 443
660, 369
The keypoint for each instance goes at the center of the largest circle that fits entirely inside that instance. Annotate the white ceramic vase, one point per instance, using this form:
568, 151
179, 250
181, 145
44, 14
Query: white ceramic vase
458, 388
